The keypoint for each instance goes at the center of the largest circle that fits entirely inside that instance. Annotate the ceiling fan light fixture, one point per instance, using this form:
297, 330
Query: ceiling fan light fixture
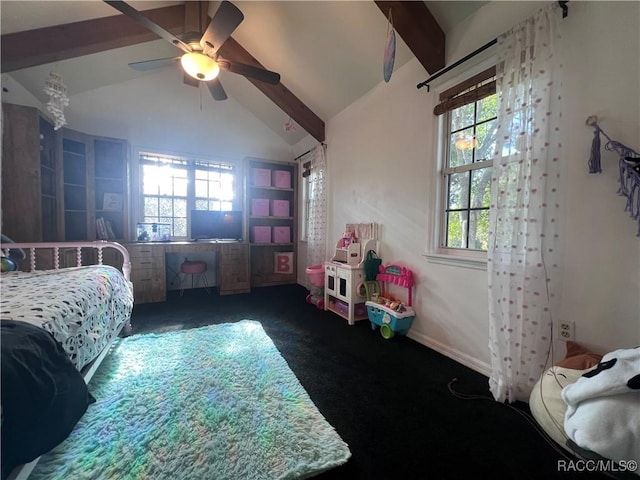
200, 66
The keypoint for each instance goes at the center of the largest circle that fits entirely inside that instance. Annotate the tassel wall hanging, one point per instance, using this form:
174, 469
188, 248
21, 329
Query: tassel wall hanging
628, 163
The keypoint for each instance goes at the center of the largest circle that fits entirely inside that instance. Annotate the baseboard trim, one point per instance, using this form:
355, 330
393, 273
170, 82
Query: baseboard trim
460, 357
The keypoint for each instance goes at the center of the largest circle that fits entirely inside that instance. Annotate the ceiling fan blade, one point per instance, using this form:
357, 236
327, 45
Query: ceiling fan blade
136, 16
189, 80
153, 64
224, 22
250, 71
217, 92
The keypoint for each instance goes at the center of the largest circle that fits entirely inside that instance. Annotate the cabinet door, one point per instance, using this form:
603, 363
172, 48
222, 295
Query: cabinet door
233, 269
148, 285
21, 208
93, 185
112, 257
110, 185
48, 182
148, 273
76, 210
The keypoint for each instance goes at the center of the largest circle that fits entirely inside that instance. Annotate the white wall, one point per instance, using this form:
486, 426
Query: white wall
602, 268
381, 162
17, 94
144, 112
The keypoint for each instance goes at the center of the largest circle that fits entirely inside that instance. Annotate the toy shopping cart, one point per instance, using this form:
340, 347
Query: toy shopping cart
391, 315
315, 274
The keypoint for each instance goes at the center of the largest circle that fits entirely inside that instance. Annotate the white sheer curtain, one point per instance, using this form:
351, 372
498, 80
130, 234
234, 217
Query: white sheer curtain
317, 213
523, 269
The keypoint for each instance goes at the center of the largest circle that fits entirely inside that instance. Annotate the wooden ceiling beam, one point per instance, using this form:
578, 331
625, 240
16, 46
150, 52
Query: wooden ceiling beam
196, 16
278, 94
51, 44
60, 42
420, 31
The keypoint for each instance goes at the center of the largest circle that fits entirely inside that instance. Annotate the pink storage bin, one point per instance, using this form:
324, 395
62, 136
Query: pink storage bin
261, 234
280, 208
342, 307
281, 234
315, 273
260, 207
359, 309
281, 179
261, 177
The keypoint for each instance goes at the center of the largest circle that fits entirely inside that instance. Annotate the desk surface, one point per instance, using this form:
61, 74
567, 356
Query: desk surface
192, 242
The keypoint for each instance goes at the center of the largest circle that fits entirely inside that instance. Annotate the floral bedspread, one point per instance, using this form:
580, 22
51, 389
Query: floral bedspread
83, 307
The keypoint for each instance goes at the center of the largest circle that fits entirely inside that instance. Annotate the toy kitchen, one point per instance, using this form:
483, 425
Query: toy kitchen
345, 279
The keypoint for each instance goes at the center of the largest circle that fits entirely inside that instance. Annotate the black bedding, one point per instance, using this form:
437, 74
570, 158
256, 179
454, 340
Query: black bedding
43, 395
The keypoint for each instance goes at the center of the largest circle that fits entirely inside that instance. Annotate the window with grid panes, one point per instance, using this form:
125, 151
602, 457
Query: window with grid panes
214, 186
173, 186
470, 111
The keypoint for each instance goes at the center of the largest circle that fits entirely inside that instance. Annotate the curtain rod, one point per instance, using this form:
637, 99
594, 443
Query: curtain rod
308, 151
454, 65
563, 6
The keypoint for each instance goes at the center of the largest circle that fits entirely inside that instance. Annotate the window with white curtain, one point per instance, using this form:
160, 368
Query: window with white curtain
171, 186
468, 139
305, 187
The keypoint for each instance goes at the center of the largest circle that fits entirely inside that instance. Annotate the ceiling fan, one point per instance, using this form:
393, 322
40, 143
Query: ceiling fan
200, 60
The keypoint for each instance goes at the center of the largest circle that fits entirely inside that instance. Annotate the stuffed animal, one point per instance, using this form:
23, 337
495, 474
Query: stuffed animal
603, 407
7, 265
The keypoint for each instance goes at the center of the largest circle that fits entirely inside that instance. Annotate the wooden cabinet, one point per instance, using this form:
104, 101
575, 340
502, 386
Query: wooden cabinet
148, 272
73, 164
110, 184
271, 203
21, 190
48, 182
94, 186
149, 267
54, 182
233, 269
231, 262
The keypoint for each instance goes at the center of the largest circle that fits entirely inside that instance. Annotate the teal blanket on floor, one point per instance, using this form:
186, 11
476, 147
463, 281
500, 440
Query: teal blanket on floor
216, 402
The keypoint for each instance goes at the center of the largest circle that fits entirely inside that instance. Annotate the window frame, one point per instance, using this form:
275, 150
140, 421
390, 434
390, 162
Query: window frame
305, 190
437, 251
446, 172
193, 162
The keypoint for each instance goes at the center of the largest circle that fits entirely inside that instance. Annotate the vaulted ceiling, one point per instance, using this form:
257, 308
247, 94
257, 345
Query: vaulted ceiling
328, 53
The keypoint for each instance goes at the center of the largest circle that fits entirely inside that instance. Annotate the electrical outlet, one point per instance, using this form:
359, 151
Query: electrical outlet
566, 330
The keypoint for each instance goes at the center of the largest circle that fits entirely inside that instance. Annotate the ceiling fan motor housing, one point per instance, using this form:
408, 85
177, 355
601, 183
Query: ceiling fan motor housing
200, 58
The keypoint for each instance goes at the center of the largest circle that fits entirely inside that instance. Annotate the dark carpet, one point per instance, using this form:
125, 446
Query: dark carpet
388, 399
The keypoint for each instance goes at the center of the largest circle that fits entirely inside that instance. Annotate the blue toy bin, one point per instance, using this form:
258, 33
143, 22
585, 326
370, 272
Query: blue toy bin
389, 321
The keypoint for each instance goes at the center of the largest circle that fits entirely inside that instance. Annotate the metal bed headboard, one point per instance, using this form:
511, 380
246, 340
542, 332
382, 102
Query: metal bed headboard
98, 245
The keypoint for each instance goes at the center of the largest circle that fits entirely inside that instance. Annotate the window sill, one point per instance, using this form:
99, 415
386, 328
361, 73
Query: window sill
457, 261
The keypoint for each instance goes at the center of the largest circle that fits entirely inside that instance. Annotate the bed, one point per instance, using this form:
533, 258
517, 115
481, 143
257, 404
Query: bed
590, 405
57, 326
